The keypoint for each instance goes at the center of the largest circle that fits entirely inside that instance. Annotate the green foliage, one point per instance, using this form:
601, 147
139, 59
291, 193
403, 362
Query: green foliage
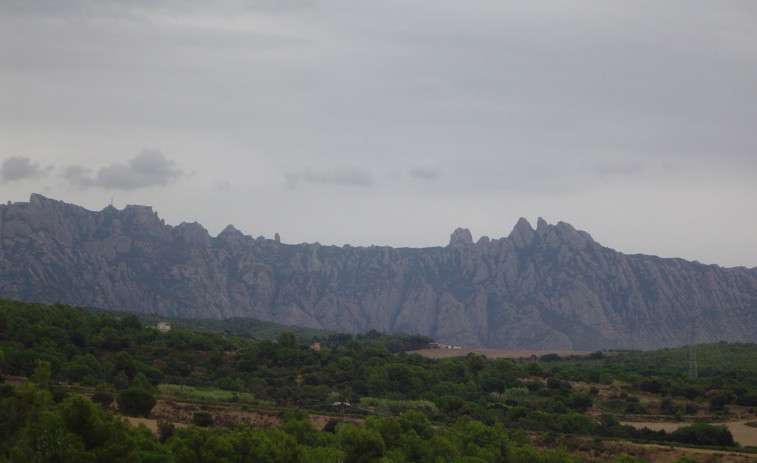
287, 339
703, 434
628, 459
41, 375
291, 414
32, 429
103, 398
361, 445
135, 401
165, 430
579, 401
202, 419
420, 409
206, 394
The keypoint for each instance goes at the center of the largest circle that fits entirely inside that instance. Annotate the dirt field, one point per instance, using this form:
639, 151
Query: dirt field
743, 434
493, 353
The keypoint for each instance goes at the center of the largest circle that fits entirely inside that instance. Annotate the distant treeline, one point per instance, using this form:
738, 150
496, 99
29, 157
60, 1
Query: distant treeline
251, 328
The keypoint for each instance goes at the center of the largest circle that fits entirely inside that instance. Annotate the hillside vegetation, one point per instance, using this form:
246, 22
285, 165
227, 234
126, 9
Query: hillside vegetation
84, 366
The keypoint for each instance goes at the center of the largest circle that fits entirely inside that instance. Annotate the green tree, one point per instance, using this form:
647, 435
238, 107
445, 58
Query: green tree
685, 459
165, 430
41, 375
135, 401
202, 419
704, 434
360, 444
131, 322
628, 459
81, 418
287, 339
123, 362
2, 366
579, 401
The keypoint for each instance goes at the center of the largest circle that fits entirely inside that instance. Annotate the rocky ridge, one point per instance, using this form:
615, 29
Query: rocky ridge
552, 287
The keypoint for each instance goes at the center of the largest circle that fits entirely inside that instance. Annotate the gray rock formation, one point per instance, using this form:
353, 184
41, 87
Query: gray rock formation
552, 287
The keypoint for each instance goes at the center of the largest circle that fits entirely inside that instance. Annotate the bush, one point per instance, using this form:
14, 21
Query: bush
103, 398
331, 425
135, 401
165, 430
703, 434
202, 419
291, 414
579, 401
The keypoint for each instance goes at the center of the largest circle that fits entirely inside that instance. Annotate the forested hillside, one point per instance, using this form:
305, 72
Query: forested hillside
84, 367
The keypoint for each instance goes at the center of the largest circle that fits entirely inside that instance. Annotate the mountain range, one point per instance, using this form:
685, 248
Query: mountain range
548, 287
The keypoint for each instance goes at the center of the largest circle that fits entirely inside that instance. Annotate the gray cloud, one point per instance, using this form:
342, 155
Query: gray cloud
18, 168
76, 174
346, 176
425, 172
613, 169
148, 168
517, 110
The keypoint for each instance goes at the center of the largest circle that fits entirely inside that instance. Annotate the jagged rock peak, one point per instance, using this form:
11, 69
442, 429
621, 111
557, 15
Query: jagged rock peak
192, 233
37, 199
229, 231
231, 237
541, 226
570, 235
460, 236
522, 235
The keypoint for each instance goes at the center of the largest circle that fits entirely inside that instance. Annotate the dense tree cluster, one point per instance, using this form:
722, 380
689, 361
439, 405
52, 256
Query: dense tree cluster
33, 428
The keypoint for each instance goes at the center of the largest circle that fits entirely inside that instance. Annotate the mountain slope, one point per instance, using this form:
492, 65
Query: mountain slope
549, 287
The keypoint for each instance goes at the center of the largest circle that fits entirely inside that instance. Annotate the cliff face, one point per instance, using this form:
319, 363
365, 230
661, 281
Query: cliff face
549, 287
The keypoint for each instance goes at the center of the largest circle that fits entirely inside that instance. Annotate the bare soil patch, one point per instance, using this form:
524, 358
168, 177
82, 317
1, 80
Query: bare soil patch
181, 414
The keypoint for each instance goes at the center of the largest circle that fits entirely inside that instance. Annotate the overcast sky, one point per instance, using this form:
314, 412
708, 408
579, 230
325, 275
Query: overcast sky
393, 122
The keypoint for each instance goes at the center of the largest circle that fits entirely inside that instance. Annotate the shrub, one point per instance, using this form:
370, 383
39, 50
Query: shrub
294, 413
331, 425
202, 419
135, 401
579, 401
165, 430
103, 398
703, 434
